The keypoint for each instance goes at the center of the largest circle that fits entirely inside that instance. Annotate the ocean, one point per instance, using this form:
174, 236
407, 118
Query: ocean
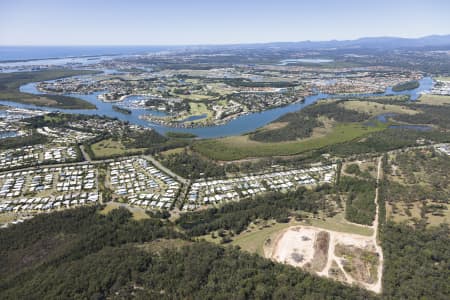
13, 53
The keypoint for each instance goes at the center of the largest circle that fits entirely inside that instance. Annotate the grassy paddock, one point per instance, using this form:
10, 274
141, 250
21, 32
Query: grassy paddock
434, 100
180, 135
338, 223
109, 147
199, 108
374, 108
239, 147
172, 151
254, 238
7, 217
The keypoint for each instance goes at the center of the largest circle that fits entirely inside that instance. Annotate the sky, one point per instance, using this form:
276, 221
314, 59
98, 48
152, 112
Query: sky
177, 22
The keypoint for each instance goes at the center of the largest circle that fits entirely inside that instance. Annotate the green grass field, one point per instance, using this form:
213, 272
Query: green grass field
338, 223
434, 99
254, 238
109, 147
253, 241
7, 217
434, 220
196, 109
373, 108
195, 97
172, 151
239, 147
138, 213
11, 82
199, 108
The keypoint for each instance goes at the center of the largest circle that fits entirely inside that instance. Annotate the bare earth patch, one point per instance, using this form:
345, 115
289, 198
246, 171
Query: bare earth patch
319, 260
361, 264
335, 272
275, 125
346, 257
295, 246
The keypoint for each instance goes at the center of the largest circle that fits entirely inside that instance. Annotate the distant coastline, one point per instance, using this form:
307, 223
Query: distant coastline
11, 54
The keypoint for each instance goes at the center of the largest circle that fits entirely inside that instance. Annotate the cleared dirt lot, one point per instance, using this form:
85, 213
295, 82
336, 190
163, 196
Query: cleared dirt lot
295, 246
336, 255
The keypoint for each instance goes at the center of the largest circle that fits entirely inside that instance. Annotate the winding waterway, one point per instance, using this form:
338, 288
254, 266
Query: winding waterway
7, 134
240, 125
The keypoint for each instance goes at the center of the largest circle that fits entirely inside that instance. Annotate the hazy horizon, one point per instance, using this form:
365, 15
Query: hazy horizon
215, 44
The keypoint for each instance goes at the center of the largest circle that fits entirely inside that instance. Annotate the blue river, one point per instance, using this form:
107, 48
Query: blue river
240, 125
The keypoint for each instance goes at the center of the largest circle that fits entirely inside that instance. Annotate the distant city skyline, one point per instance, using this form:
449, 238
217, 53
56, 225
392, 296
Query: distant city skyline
176, 22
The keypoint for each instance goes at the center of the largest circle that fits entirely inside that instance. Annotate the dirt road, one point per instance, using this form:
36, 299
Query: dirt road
298, 239
378, 286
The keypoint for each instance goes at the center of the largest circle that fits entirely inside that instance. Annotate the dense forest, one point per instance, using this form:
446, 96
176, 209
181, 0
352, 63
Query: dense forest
142, 139
360, 194
180, 135
236, 216
300, 124
417, 262
416, 259
80, 254
10, 83
405, 86
386, 140
433, 115
192, 165
122, 110
21, 141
